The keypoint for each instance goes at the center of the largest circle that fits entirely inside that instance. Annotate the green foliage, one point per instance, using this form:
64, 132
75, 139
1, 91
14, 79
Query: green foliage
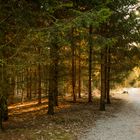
93, 4
29, 26
2, 62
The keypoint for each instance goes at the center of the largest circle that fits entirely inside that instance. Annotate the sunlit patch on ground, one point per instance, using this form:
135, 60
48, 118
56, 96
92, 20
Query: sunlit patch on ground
29, 103
32, 106
25, 107
133, 92
30, 120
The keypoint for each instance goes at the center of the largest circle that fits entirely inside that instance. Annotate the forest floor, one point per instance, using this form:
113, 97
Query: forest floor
72, 121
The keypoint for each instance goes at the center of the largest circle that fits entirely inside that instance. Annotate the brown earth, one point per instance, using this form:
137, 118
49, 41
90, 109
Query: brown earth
29, 121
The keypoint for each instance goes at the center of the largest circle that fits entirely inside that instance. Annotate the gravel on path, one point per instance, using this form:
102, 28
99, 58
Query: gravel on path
123, 125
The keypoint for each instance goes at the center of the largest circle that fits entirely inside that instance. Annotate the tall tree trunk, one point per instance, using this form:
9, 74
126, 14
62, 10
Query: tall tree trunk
27, 82
35, 82
73, 67
39, 79
53, 78
90, 65
79, 74
4, 89
17, 85
103, 91
22, 85
39, 83
5, 93
46, 79
30, 83
105, 71
56, 75
108, 76
51, 82
12, 89
1, 125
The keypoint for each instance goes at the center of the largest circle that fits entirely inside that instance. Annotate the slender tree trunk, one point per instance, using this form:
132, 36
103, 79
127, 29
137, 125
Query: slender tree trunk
1, 125
22, 78
22, 86
39, 83
39, 79
51, 82
27, 82
79, 74
108, 76
90, 65
12, 89
1, 112
17, 85
53, 78
103, 91
105, 71
73, 68
5, 91
22, 92
46, 79
35, 82
56, 75
5, 113
30, 83
1, 94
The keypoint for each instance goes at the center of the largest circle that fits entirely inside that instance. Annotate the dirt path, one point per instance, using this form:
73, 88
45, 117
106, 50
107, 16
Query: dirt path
123, 125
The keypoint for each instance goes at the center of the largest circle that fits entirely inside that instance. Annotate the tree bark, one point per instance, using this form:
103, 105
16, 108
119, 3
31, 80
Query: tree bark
39, 83
35, 82
103, 91
30, 83
56, 75
90, 65
79, 74
39, 79
53, 78
105, 71
5, 93
51, 82
27, 82
12, 89
108, 76
22, 86
73, 68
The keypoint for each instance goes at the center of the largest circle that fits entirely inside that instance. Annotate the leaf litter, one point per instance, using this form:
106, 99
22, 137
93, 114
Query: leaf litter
71, 121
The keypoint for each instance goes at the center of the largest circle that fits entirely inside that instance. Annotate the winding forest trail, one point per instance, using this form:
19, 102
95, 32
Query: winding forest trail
124, 124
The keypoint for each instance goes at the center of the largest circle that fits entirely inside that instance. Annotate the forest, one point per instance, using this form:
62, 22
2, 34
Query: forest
53, 51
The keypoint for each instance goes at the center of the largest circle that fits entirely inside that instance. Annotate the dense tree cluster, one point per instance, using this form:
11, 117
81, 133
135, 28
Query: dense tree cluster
55, 48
